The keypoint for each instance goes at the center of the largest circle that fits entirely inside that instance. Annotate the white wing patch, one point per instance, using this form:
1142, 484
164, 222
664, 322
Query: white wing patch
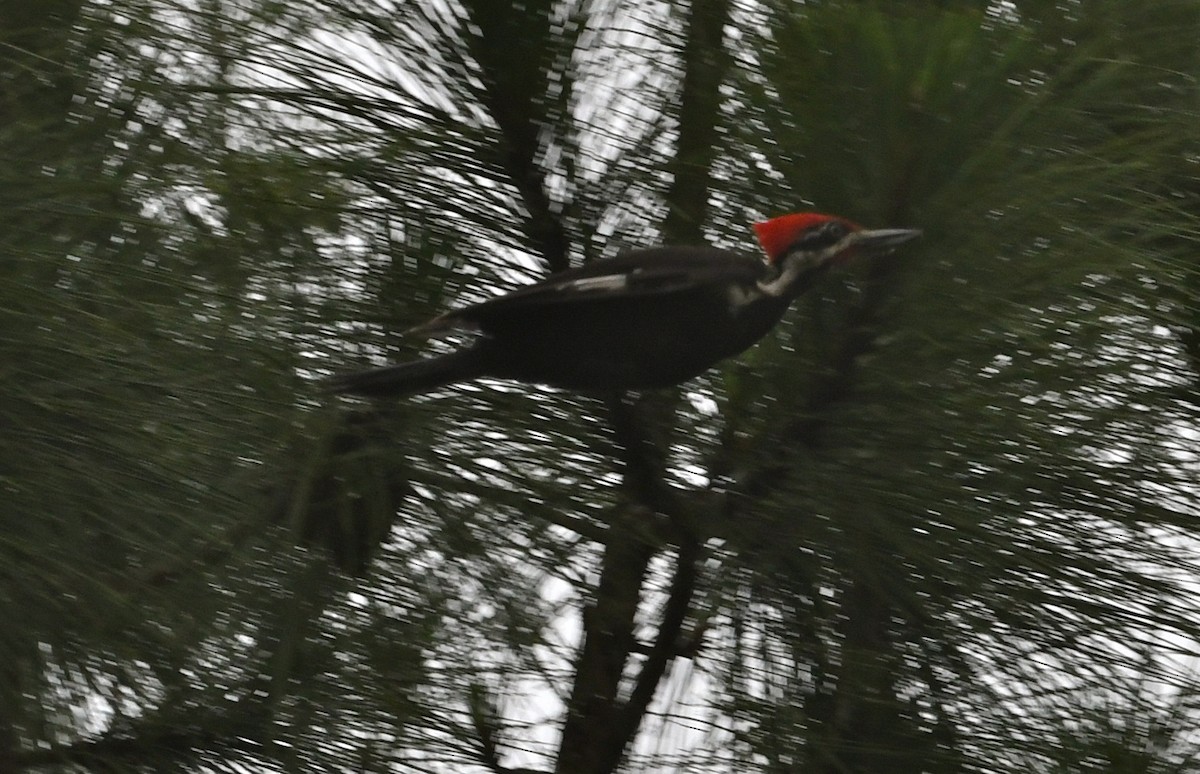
441, 324
607, 282
741, 296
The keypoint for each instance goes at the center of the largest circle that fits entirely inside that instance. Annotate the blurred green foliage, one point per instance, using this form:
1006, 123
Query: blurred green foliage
945, 517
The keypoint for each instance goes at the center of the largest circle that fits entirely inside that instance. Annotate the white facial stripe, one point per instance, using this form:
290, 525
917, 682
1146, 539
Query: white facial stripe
845, 243
795, 263
842, 245
776, 286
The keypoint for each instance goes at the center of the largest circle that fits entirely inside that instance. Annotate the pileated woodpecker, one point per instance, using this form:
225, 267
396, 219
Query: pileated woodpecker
644, 319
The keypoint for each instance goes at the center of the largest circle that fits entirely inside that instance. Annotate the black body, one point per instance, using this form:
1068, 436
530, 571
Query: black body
671, 322
672, 319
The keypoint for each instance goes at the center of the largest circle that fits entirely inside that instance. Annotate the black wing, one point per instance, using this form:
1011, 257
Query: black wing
657, 271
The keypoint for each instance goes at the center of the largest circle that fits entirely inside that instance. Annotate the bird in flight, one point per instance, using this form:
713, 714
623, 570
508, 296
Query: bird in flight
645, 319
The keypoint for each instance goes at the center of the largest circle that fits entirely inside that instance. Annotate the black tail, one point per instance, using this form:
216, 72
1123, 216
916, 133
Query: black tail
410, 378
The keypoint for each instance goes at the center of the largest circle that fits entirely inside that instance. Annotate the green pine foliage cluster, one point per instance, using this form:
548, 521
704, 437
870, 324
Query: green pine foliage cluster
945, 519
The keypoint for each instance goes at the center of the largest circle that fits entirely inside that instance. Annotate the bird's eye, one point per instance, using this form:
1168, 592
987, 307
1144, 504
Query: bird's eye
824, 235
835, 230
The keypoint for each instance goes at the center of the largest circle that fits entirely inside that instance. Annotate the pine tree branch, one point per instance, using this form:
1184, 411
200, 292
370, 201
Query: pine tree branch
514, 86
599, 728
662, 653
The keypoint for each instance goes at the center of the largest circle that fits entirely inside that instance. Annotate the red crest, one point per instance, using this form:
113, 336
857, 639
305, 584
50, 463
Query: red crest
778, 234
